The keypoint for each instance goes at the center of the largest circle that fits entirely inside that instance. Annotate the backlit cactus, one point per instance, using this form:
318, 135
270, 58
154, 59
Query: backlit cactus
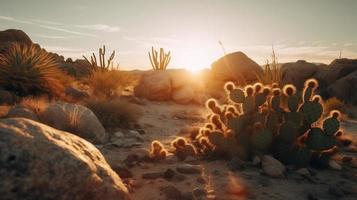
266, 119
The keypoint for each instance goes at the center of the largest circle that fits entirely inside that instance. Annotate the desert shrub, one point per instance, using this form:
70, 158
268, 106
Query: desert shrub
29, 70
114, 113
333, 104
4, 109
106, 84
272, 71
35, 104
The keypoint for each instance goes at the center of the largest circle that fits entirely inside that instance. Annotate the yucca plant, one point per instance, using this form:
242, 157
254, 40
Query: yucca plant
28, 70
159, 62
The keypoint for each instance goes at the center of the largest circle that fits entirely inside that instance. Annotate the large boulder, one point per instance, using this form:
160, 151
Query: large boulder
183, 95
235, 66
155, 86
340, 68
76, 119
297, 73
40, 162
13, 35
345, 88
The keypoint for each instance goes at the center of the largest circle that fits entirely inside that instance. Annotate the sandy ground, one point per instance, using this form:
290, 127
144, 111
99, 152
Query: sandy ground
214, 180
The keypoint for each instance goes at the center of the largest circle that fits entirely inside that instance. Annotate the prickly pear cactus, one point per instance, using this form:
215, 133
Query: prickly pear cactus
267, 119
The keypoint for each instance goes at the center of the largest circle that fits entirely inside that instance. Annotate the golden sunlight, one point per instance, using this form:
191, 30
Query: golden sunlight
196, 53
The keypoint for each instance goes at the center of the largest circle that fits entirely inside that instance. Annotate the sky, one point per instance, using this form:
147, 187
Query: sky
312, 30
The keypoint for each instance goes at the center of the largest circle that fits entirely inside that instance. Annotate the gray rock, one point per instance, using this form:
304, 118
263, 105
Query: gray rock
40, 162
76, 119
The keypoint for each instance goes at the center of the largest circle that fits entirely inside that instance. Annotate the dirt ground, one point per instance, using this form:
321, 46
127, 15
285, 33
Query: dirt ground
212, 179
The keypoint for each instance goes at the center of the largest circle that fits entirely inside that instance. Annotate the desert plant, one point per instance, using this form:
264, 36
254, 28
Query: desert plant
159, 62
157, 152
107, 83
182, 148
254, 122
35, 104
333, 104
103, 64
114, 113
272, 71
29, 70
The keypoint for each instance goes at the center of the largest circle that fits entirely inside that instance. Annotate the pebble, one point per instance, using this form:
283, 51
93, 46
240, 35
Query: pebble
188, 169
272, 167
169, 174
303, 172
334, 165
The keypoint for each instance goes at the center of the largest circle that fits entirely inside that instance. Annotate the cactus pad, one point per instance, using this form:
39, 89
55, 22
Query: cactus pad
261, 140
288, 132
331, 125
311, 111
317, 140
237, 95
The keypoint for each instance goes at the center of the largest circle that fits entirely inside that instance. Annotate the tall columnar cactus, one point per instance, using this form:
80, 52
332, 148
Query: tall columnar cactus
256, 120
104, 65
159, 62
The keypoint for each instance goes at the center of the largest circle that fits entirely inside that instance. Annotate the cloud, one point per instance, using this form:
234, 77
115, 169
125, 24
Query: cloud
15, 20
99, 27
57, 37
66, 30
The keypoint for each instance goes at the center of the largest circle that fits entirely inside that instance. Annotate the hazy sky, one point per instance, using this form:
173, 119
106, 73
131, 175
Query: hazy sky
314, 30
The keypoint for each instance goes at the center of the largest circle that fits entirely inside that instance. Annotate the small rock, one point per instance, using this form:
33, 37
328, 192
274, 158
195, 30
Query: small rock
152, 175
272, 167
303, 172
256, 161
336, 191
199, 192
264, 181
236, 164
334, 165
169, 174
171, 192
141, 131
188, 169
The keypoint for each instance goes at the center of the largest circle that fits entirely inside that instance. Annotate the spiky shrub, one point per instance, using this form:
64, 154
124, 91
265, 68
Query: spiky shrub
254, 122
29, 70
107, 84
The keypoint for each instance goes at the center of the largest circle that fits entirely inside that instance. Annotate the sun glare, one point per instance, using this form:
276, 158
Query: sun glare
195, 54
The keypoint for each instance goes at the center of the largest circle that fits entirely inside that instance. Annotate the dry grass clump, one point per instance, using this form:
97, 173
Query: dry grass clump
28, 70
272, 72
35, 104
106, 84
115, 113
333, 104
